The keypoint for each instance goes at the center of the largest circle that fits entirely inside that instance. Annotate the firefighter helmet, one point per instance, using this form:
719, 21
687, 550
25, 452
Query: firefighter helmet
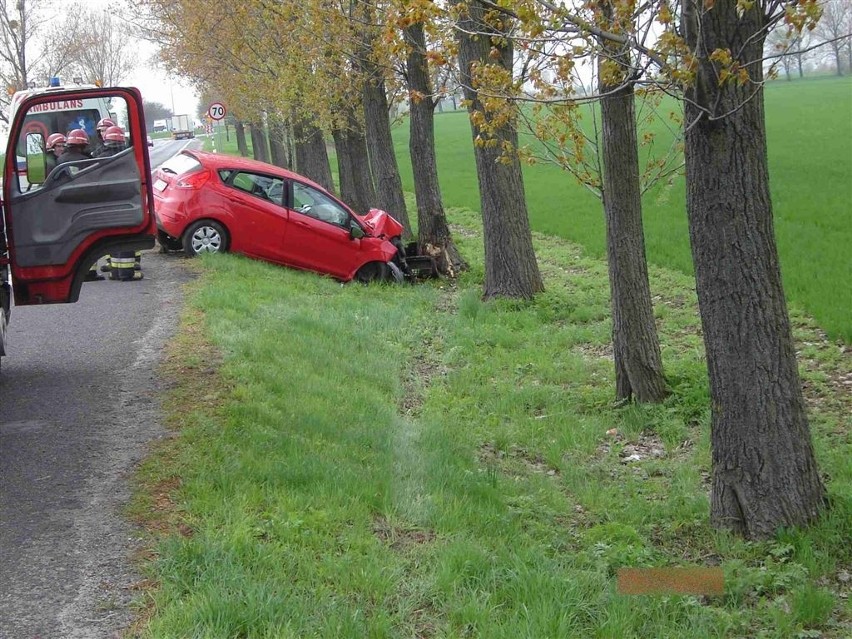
53, 139
114, 134
104, 123
78, 137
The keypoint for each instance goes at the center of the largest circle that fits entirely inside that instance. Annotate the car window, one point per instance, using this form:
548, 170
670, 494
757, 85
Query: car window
262, 186
180, 164
318, 205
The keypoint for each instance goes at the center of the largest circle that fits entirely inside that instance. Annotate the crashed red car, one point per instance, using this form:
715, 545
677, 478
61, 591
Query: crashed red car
209, 202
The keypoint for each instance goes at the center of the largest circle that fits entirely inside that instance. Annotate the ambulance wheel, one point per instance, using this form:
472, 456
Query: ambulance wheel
205, 236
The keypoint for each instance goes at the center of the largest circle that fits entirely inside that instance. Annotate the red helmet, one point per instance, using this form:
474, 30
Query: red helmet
53, 139
77, 136
104, 123
114, 134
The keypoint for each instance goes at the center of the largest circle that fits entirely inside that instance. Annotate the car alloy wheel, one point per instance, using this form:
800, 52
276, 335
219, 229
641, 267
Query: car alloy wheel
205, 236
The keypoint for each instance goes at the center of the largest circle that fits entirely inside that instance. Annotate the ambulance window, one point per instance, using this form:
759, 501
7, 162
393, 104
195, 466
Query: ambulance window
37, 159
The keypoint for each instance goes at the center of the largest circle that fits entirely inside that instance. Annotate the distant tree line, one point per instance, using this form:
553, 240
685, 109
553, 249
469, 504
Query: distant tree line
826, 48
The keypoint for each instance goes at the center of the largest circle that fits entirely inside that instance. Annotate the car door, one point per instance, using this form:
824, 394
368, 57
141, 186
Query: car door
319, 233
58, 223
257, 205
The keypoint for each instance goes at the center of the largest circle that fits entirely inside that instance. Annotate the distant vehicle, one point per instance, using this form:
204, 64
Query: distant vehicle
150, 141
211, 202
160, 125
181, 127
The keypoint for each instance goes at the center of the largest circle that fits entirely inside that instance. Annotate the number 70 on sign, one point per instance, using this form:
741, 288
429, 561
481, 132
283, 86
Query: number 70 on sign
216, 111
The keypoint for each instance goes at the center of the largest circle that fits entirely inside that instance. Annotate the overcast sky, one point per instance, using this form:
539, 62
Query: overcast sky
157, 86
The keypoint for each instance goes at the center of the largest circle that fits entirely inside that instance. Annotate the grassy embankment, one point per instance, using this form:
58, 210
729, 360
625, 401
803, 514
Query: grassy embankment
410, 462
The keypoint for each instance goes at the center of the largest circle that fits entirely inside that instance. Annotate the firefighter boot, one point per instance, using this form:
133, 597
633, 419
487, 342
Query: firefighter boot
122, 266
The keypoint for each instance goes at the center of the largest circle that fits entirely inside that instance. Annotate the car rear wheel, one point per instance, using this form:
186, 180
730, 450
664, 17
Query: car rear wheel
205, 236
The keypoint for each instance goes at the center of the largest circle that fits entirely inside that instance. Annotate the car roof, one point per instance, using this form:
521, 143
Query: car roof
225, 161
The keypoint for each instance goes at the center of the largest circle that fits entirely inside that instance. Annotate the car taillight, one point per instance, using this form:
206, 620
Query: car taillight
192, 180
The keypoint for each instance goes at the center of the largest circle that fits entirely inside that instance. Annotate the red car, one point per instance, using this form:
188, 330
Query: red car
209, 202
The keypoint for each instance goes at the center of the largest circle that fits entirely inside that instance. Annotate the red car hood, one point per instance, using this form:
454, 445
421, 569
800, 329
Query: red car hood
380, 223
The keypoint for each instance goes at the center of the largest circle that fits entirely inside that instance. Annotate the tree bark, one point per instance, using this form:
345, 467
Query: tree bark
240, 131
258, 143
636, 346
278, 146
511, 269
389, 193
434, 236
312, 155
764, 470
353, 166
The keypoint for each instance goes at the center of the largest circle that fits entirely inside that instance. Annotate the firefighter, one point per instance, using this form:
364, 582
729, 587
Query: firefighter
113, 142
75, 150
75, 147
100, 129
54, 147
125, 266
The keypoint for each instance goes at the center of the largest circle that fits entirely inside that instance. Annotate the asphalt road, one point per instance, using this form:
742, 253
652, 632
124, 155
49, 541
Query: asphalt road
79, 406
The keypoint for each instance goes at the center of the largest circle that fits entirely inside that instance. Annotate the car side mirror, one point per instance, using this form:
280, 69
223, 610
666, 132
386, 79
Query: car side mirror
355, 231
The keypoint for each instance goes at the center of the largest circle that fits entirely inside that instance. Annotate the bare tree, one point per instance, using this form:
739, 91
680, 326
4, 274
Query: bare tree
835, 29
24, 57
106, 53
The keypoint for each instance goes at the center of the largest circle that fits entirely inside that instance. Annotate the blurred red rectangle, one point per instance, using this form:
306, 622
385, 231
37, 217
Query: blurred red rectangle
671, 581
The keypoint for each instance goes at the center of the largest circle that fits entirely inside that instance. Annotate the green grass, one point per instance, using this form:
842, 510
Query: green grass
408, 461
809, 130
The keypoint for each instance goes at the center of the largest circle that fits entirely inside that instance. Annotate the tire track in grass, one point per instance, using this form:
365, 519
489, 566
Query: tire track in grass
406, 527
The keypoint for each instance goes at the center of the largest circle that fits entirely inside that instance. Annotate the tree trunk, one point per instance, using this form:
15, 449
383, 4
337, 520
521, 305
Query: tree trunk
312, 155
511, 269
764, 470
258, 143
835, 47
636, 347
278, 147
389, 194
240, 130
433, 232
353, 167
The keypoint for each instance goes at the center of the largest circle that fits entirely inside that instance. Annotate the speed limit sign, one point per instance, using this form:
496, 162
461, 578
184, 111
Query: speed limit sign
216, 111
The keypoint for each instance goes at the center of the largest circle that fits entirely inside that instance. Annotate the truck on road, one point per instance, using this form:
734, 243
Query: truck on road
181, 127
58, 220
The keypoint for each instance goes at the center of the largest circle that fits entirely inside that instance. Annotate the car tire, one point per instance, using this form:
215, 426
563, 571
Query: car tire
205, 236
168, 244
373, 272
